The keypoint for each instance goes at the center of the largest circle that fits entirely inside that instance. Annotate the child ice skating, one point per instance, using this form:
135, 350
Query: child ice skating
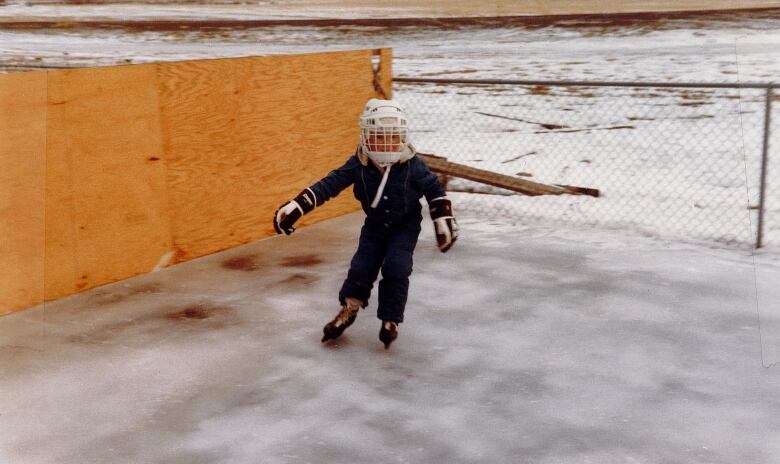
388, 180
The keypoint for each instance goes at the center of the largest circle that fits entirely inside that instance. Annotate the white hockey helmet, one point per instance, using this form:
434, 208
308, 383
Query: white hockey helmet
384, 132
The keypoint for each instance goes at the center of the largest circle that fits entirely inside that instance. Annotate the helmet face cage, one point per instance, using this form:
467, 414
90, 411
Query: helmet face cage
384, 134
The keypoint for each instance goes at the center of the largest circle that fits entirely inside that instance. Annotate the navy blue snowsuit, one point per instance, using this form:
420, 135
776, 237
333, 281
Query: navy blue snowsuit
390, 231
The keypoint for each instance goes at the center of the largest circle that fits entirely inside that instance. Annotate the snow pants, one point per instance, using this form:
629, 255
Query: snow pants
389, 248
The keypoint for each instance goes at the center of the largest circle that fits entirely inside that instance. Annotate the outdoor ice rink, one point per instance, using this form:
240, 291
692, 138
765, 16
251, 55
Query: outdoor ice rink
527, 342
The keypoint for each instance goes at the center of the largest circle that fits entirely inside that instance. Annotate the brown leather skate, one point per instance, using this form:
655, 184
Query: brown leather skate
343, 319
388, 333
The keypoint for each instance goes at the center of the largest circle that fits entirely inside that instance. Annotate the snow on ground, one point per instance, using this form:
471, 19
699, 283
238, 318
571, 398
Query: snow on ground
341, 9
675, 162
671, 49
671, 162
527, 342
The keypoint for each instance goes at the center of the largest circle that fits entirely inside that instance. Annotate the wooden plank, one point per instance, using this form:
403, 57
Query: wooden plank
575, 190
22, 170
526, 187
108, 125
383, 68
242, 136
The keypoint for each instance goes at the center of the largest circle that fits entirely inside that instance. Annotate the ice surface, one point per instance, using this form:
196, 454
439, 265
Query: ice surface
527, 342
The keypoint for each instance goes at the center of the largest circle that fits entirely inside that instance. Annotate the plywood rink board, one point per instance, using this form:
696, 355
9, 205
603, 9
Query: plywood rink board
113, 172
242, 136
108, 126
22, 170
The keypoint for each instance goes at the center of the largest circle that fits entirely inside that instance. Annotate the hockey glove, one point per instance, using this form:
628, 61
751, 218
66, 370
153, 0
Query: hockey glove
288, 213
444, 223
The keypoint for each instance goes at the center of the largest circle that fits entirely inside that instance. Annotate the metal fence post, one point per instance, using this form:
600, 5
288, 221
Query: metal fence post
764, 158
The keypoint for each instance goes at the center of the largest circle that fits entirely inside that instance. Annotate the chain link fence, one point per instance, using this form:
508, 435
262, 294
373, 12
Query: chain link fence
669, 161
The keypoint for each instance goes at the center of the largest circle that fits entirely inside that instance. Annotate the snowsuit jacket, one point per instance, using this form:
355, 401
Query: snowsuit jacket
407, 182
389, 234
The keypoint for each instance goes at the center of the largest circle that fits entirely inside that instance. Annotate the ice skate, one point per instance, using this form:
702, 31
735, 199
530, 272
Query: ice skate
343, 319
388, 333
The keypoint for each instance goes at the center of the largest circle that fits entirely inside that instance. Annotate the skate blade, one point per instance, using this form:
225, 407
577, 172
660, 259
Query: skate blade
388, 341
331, 335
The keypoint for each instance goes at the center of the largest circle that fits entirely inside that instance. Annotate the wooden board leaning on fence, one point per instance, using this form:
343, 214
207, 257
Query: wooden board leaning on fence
440, 165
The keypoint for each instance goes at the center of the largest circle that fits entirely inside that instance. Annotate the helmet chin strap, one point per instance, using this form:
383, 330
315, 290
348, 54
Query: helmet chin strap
381, 187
